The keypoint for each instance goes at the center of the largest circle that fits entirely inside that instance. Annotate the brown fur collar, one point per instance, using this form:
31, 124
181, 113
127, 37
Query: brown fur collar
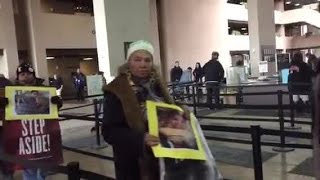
121, 88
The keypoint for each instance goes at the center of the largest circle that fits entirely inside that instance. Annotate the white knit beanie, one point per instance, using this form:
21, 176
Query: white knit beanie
140, 45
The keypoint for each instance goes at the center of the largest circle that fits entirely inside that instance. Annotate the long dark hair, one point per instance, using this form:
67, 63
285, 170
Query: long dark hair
198, 67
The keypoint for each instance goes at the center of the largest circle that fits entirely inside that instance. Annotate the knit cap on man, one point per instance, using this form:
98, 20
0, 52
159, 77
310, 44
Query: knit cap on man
25, 67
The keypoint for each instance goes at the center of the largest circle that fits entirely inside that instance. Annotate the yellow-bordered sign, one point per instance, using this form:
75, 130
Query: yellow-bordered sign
28, 102
196, 153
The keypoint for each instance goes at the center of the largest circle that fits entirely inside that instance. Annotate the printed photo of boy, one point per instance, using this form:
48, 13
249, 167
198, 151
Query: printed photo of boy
175, 129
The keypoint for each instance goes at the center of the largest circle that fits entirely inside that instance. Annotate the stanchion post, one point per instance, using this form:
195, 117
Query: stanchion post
256, 149
97, 123
281, 122
73, 171
291, 110
292, 126
173, 92
313, 106
194, 101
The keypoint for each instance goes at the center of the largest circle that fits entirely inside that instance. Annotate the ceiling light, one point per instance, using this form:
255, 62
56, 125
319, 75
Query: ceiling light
49, 58
289, 2
243, 28
87, 59
297, 4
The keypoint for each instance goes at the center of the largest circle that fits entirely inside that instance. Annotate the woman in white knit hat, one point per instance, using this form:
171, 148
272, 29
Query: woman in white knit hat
125, 123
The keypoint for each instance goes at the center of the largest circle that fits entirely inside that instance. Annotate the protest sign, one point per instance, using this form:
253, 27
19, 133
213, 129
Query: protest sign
179, 136
94, 85
30, 103
35, 140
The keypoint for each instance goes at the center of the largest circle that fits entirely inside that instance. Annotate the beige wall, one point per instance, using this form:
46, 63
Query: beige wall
8, 42
60, 31
192, 30
67, 31
127, 21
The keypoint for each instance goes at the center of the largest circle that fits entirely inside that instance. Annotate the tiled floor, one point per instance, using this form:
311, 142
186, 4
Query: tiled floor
277, 167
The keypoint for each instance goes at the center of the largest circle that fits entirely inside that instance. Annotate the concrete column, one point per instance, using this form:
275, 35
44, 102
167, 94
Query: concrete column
102, 37
37, 48
261, 34
8, 41
118, 22
192, 30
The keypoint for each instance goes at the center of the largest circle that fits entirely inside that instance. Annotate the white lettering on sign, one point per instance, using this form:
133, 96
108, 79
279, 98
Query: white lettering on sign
33, 140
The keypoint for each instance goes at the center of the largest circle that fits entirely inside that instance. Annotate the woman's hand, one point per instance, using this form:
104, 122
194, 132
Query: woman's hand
151, 140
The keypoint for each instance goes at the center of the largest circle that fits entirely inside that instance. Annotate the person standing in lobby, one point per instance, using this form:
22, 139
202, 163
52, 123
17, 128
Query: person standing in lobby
57, 82
198, 75
79, 82
299, 80
5, 172
214, 74
127, 129
176, 72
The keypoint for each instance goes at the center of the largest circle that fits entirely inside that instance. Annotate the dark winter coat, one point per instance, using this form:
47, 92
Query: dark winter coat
213, 71
198, 74
300, 77
176, 74
79, 80
124, 127
4, 82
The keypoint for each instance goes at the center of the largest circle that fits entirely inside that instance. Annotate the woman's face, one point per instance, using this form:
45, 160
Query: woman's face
140, 63
197, 65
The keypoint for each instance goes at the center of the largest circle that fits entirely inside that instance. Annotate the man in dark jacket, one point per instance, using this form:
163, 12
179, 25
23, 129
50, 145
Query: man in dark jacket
176, 72
80, 83
5, 173
4, 81
300, 79
214, 73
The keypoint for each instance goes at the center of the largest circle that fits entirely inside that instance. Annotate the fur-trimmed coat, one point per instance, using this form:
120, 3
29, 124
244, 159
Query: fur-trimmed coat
124, 127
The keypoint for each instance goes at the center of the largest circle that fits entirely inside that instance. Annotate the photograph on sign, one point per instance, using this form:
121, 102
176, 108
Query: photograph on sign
179, 137
30, 102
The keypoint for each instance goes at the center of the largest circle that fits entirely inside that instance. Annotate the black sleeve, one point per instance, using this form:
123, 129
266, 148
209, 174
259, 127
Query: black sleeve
180, 72
115, 129
221, 71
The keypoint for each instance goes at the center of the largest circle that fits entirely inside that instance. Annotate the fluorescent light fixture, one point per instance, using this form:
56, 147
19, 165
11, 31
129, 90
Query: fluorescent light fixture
243, 28
87, 59
297, 4
49, 58
288, 2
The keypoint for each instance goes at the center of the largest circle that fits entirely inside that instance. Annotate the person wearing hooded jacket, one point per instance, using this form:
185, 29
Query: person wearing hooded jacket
299, 80
26, 77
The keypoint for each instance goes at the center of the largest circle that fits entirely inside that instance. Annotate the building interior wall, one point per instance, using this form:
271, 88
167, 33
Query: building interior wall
192, 33
130, 24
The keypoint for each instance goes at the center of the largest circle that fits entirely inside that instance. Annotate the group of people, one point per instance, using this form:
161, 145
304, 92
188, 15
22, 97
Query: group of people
212, 73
